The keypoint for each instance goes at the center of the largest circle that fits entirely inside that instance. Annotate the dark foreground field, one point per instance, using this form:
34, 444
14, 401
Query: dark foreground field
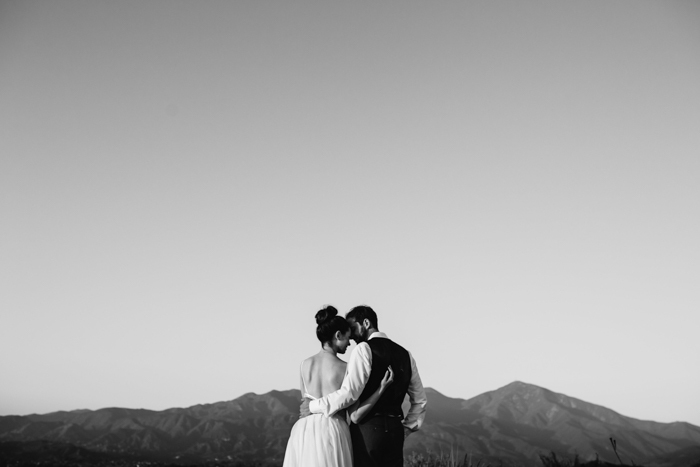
11, 457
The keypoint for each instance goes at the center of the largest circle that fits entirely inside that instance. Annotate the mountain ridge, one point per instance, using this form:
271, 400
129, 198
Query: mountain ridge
547, 421
516, 423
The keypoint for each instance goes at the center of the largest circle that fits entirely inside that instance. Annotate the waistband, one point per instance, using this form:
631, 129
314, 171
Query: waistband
389, 415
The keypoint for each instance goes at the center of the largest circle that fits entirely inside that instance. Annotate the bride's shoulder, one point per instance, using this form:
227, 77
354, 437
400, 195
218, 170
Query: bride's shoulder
307, 363
340, 362
339, 367
308, 360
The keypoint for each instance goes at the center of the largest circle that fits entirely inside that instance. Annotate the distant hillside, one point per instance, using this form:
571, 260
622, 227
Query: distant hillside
514, 424
521, 421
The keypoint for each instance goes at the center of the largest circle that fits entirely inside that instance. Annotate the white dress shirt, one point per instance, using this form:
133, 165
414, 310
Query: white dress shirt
356, 376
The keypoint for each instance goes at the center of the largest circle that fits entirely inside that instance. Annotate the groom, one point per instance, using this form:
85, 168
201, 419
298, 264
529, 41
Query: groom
378, 439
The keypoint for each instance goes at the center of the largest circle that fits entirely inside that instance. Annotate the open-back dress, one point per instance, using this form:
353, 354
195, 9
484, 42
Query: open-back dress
319, 441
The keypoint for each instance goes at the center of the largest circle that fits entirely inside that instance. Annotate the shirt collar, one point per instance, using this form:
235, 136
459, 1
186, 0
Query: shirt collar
377, 334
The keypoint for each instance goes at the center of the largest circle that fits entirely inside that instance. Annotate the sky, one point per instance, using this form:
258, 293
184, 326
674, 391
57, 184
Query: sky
512, 186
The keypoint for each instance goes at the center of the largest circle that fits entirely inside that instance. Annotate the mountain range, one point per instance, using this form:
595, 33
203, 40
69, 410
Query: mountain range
515, 424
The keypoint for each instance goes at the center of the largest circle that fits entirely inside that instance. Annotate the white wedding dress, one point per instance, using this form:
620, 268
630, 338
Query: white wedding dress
319, 441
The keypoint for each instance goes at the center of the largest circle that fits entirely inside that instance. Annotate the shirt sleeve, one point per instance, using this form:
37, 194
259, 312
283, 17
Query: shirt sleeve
356, 376
416, 394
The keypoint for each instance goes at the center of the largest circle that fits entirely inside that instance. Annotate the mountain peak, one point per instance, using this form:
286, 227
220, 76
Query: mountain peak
538, 406
519, 386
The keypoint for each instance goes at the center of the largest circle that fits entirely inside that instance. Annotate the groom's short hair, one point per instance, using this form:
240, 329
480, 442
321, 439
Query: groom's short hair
361, 313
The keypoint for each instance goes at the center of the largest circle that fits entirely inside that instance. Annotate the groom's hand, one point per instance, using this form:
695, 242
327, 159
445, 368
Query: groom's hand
406, 432
304, 408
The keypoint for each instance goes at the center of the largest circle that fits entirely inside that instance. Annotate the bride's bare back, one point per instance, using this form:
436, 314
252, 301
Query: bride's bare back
323, 374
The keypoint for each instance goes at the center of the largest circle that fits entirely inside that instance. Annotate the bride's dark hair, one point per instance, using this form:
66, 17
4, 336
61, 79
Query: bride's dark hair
329, 323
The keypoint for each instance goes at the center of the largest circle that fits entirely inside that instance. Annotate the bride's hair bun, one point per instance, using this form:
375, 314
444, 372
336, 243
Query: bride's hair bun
326, 314
329, 323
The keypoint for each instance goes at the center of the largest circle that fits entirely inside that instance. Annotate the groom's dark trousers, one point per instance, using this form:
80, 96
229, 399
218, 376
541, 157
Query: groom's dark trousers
377, 441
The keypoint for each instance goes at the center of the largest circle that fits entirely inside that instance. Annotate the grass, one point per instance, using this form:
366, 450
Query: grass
442, 460
547, 460
553, 461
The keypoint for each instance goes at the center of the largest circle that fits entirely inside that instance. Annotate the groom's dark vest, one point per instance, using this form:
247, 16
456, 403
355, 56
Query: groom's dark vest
384, 353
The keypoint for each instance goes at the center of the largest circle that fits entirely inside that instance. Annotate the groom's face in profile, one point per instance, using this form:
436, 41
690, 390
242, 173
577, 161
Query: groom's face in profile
358, 333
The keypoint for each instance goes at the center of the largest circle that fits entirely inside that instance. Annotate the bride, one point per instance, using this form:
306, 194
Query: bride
317, 440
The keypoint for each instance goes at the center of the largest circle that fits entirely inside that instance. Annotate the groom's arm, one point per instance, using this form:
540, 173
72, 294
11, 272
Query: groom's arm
416, 394
356, 376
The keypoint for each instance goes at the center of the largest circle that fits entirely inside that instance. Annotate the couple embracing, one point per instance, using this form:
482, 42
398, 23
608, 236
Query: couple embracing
351, 414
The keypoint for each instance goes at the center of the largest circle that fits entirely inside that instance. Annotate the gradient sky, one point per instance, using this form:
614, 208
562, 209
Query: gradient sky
513, 186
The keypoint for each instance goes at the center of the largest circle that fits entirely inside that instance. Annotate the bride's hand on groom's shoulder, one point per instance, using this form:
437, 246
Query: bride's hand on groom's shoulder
304, 408
388, 378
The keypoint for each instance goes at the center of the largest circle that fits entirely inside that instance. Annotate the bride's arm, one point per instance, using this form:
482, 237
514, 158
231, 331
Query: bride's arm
359, 410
